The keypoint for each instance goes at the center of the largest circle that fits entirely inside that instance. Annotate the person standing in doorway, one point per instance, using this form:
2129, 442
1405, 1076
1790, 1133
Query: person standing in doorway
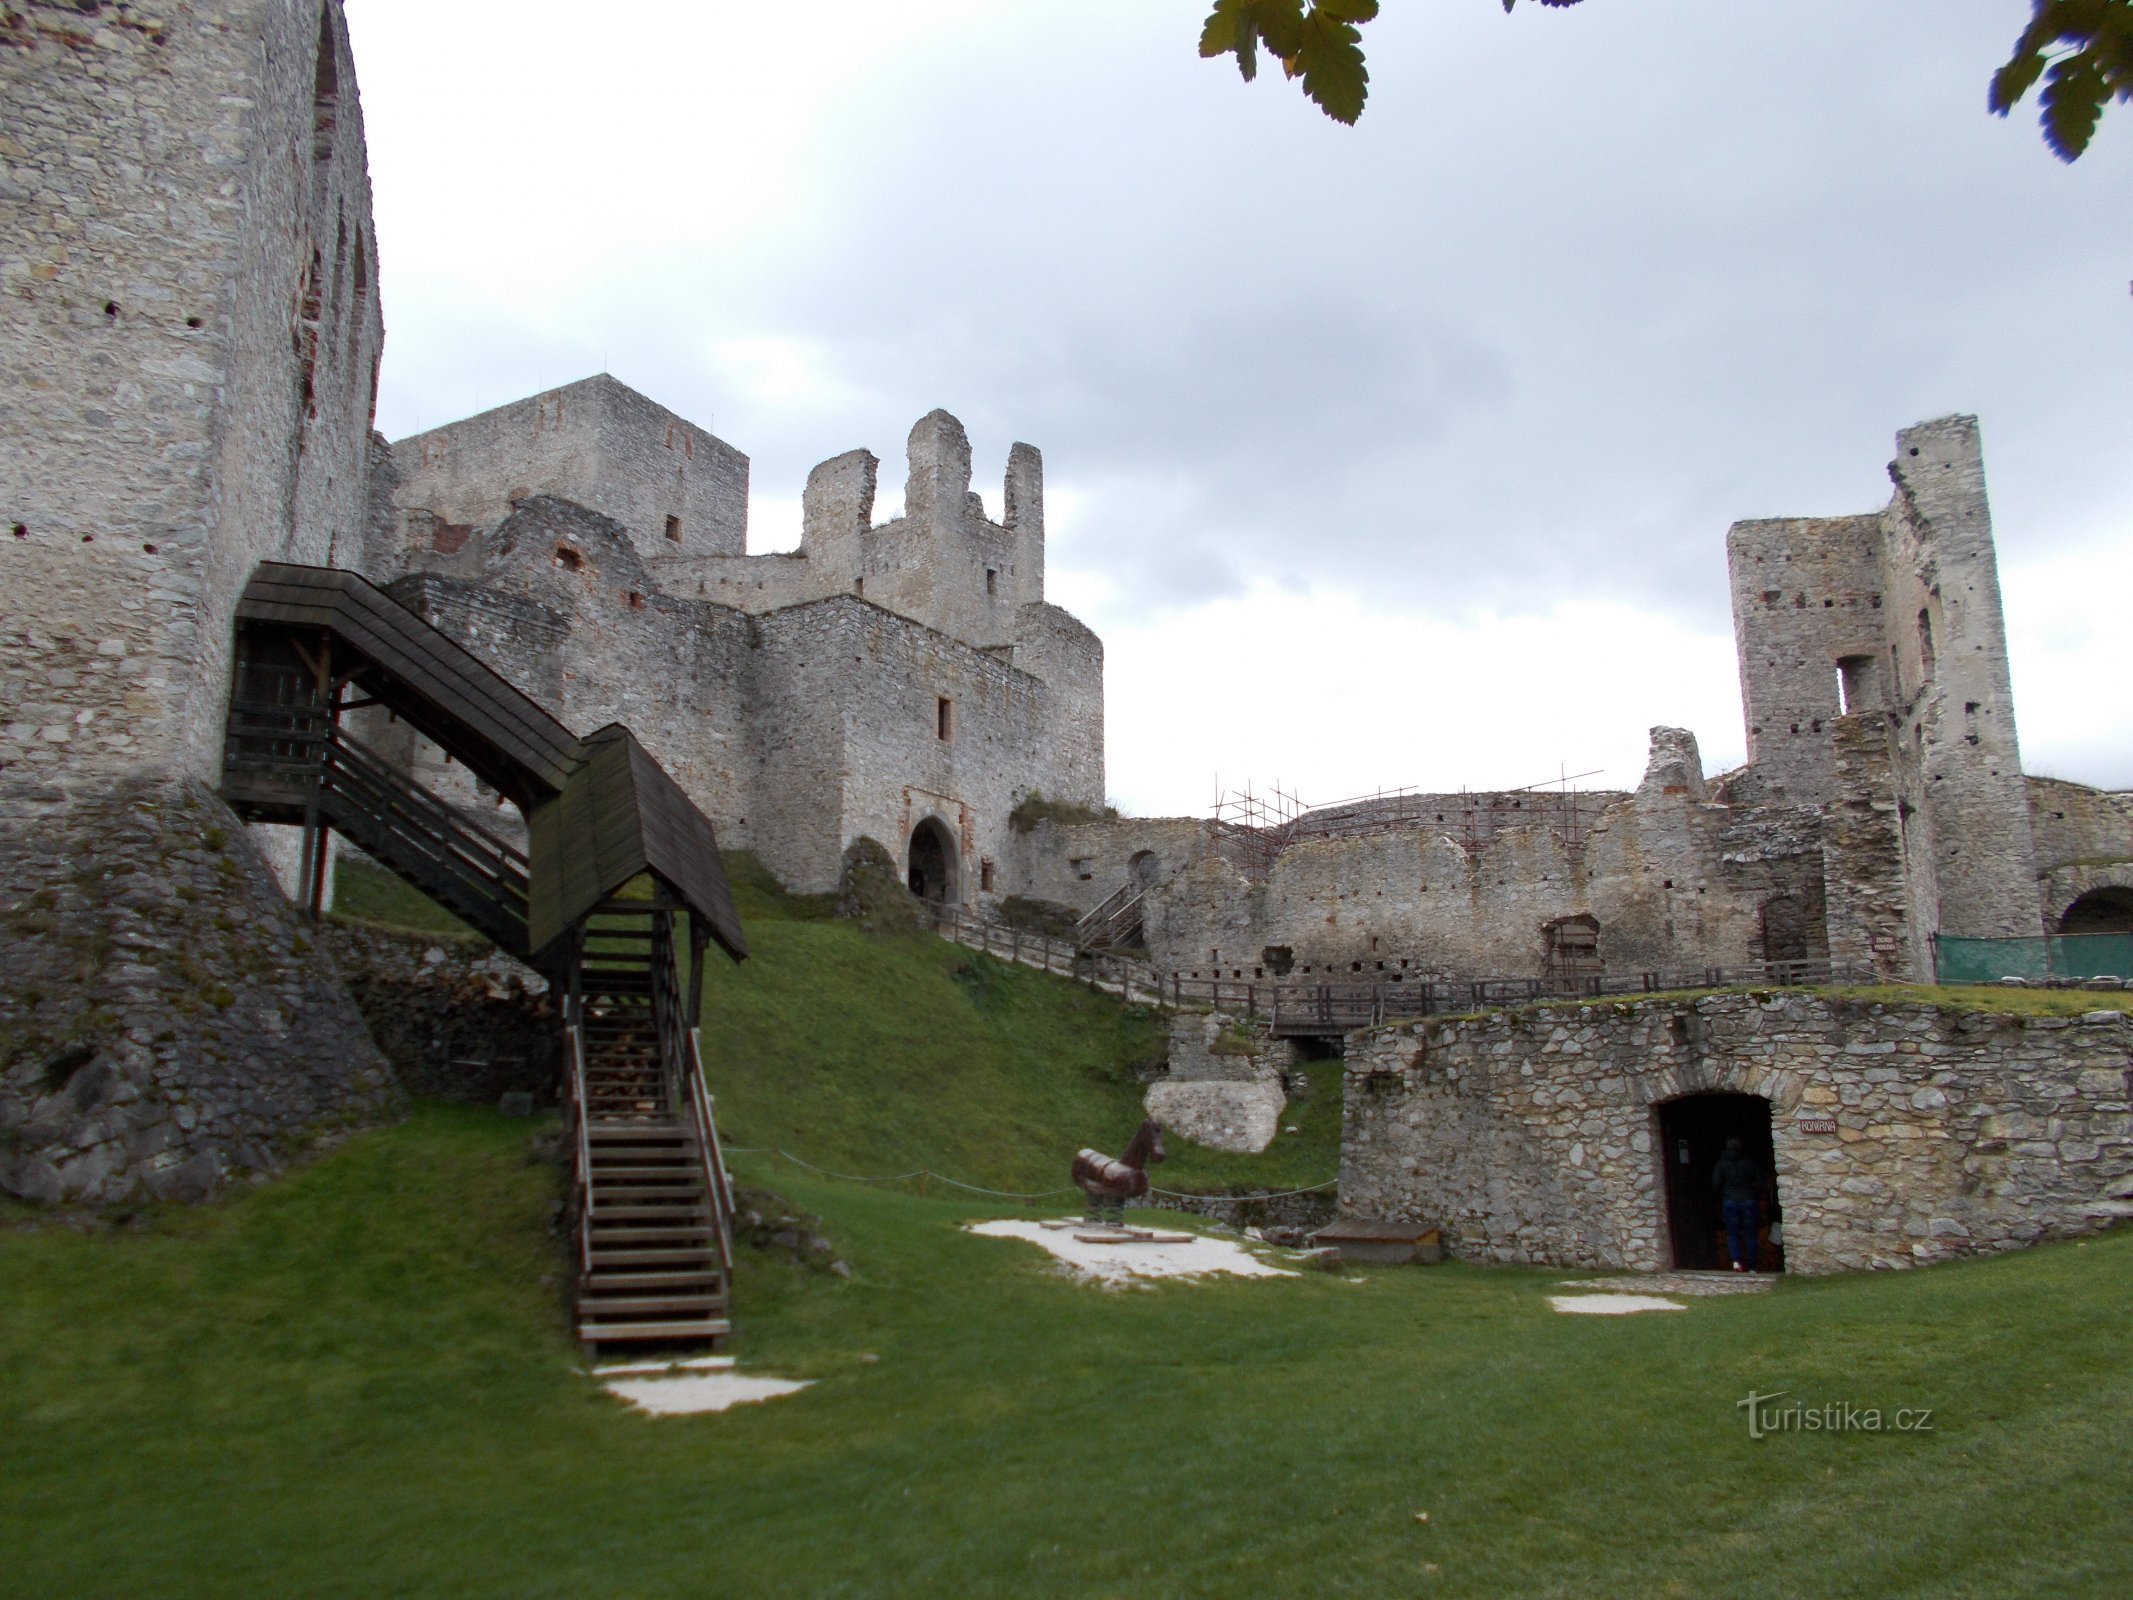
1738, 1182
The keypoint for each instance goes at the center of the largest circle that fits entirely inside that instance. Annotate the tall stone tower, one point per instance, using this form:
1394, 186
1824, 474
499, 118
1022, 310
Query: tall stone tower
1873, 651
187, 366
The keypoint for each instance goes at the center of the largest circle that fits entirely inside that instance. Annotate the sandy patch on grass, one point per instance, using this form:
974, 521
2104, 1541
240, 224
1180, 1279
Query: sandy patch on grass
1121, 1263
690, 1388
1612, 1305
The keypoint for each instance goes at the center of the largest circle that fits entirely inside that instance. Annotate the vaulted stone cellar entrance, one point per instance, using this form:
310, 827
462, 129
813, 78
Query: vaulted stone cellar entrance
1692, 1136
931, 868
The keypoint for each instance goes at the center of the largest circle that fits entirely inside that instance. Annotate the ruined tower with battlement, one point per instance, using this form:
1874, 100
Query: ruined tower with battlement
904, 681
1873, 650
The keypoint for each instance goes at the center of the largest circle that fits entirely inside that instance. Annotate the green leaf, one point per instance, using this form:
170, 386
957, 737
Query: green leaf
1330, 61
2083, 52
2073, 98
2014, 80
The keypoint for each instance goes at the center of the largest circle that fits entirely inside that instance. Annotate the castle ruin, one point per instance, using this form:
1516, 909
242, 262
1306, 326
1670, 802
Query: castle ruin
187, 378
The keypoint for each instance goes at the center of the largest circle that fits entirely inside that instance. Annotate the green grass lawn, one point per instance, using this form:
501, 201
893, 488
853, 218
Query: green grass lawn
873, 1054
357, 1381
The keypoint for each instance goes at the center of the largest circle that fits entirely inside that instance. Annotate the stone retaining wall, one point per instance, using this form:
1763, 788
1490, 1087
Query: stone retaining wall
166, 1019
457, 1018
1903, 1134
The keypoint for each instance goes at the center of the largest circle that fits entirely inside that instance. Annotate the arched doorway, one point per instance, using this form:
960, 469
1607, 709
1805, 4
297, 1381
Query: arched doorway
1144, 866
1693, 1131
930, 868
2108, 910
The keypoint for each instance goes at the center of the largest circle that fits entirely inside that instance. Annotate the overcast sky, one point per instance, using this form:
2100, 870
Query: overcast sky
1393, 455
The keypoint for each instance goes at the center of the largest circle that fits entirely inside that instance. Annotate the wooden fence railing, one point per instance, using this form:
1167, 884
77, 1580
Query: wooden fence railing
1297, 1009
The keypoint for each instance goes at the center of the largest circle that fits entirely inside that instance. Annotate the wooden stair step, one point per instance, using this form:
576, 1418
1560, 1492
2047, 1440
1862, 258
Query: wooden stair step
652, 1211
667, 1258
604, 1172
616, 1332
679, 1305
666, 1278
673, 1238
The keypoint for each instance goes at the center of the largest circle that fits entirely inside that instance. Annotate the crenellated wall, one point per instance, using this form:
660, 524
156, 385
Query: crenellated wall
873, 679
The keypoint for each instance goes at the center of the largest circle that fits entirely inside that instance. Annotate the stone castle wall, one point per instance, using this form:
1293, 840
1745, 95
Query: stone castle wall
1672, 879
680, 490
2084, 841
1897, 616
1903, 1134
189, 358
875, 679
187, 370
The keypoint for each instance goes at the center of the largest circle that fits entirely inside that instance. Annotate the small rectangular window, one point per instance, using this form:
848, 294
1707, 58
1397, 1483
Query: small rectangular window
985, 876
944, 718
992, 584
674, 529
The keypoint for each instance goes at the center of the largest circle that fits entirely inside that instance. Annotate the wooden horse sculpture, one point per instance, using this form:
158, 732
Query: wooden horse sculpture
1110, 1184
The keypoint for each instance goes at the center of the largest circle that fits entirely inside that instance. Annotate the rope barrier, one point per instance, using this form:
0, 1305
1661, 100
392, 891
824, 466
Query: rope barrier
1000, 1194
895, 1177
1274, 1194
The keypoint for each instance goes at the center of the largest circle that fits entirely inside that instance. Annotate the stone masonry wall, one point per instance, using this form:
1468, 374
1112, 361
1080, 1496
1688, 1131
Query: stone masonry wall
166, 1019
1673, 879
457, 1018
2084, 841
596, 442
1903, 1134
1079, 864
882, 677
186, 365
1939, 561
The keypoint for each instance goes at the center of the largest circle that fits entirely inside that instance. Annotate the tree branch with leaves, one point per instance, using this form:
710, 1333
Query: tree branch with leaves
2081, 51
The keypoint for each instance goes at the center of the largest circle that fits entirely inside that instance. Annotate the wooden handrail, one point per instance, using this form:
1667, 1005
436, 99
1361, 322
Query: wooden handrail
1331, 1006
574, 1049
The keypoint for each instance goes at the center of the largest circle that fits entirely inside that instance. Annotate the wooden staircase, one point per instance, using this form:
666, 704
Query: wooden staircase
654, 1205
1116, 923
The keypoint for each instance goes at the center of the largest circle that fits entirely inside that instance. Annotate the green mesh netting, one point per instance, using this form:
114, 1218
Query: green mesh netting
2066, 955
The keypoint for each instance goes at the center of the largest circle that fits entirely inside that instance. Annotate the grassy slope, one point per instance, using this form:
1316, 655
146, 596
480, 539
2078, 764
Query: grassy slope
355, 1383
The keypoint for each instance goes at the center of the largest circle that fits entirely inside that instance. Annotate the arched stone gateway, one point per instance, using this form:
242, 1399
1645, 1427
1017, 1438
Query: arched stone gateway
930, 865
2105, 910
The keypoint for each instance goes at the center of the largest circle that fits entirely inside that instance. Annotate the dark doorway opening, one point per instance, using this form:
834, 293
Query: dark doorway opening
2100, 911
1573, 947
931, 868
1692, 1135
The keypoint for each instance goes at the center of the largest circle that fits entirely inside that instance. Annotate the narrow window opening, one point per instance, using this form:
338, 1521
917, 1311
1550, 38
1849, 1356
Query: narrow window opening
859, 587
1925, 639
636, 601
674, 530
992, 584
943, 717
325, 91
985, 876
